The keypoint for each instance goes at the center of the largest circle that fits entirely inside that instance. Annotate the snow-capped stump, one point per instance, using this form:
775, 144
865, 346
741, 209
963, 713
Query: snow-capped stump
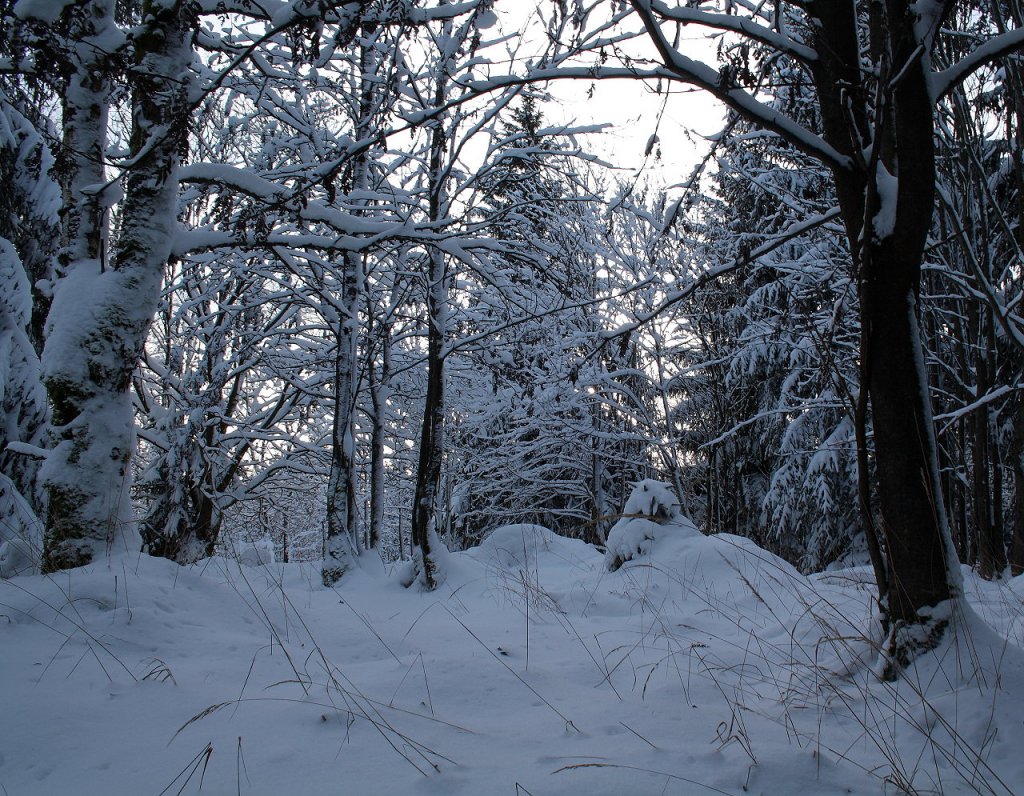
653, 500
652, 509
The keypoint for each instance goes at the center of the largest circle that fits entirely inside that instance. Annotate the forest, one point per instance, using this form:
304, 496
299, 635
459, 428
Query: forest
329, 282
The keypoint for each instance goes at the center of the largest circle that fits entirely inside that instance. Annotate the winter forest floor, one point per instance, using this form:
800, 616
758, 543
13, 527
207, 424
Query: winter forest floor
709, 666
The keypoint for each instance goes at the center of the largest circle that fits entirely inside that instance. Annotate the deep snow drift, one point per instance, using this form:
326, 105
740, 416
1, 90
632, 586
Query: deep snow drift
705, 665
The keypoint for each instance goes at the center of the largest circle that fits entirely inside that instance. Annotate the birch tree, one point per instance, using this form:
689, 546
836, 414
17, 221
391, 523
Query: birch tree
103, 300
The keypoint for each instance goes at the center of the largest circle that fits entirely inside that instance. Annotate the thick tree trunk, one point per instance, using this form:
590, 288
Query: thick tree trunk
100, 315
912, 515
71, 538
886, 194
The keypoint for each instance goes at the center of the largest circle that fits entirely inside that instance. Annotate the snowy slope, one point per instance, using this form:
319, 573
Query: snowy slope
705, 666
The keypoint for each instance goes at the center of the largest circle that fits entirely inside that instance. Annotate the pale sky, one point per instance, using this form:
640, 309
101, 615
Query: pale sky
635, 112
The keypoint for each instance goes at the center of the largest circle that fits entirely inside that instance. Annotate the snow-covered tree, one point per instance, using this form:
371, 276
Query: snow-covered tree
876, 138
28, 222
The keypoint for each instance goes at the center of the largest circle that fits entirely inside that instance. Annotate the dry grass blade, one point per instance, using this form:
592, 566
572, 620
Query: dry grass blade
158, 671
199, 764
667, 774
199, 716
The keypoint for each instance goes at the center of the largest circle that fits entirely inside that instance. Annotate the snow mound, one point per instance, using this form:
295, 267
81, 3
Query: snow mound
514, 547
710, 648
18, 557
651, 510
257, 554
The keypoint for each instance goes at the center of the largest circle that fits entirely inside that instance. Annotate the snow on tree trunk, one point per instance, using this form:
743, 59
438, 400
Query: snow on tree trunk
877, 130
379, 396
342, 545
887, 205
428, 550
101, 312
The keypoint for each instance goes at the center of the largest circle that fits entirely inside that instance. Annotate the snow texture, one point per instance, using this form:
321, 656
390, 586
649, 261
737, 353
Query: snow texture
888, 193
43, 10
516, 547
20, 533
712, 668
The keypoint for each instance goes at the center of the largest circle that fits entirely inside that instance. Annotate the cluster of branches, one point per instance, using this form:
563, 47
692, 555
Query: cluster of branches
374, 271
302, 245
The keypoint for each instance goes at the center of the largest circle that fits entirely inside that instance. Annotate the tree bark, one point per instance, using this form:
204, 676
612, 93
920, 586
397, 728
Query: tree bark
100, 315
428, 474
1016, 557
887, 199
379, 394
342, 545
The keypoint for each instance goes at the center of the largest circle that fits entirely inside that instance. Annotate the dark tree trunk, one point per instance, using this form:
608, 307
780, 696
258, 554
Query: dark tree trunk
379, 398
1017, 465
428, 473
910, 503
887, 222
990, 549
341, 546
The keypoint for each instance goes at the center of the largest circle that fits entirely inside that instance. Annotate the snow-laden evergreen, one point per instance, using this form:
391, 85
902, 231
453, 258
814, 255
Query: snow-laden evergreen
28, 214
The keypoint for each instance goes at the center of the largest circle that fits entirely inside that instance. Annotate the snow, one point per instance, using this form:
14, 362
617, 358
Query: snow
884, 221
20, 534
516, 547
709, 666
257, 554
44, 10
651, 511
654, 499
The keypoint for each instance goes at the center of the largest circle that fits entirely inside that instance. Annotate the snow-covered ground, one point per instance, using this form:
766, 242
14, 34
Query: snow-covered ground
704, 666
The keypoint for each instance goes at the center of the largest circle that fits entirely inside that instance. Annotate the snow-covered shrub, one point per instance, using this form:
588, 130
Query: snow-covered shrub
654, 500
20, 533
18, 557
258, 553
650, 509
